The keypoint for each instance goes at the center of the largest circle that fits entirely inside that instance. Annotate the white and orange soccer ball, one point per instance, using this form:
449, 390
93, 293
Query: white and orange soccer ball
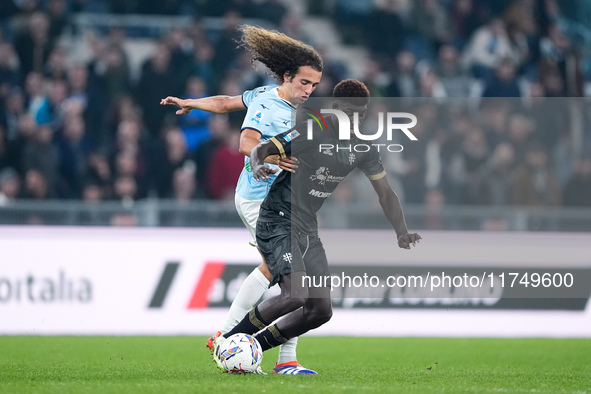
241, 353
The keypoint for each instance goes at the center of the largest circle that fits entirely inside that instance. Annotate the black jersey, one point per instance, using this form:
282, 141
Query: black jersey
297, 197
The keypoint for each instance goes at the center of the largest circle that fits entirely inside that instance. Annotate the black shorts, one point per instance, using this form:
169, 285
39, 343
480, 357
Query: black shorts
285, 252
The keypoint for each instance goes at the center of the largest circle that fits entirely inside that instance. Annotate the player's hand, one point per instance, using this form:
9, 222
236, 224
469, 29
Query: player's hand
178, 102
262, 172
289, 164
405, 240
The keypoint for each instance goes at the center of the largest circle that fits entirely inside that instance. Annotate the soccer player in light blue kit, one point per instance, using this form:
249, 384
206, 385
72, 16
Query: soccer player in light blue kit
270, 109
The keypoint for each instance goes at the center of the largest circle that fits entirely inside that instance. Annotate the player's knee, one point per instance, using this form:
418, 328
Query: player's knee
321, 314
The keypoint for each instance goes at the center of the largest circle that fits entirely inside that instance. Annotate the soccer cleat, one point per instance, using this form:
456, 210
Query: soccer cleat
209, 343
292, 368
217, 346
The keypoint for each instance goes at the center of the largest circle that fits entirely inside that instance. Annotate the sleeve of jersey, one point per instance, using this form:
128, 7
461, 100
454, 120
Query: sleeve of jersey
254, 118
250, 95
372, 167
283, 142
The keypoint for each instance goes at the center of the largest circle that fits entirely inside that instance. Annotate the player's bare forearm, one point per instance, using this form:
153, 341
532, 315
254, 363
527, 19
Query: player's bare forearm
257, 160
392, 209
217, 104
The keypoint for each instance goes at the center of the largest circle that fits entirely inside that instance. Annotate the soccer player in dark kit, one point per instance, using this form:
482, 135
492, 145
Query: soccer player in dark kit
287, 228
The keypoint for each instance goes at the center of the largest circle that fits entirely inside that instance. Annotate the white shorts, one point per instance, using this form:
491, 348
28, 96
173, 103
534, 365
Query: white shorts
248, 210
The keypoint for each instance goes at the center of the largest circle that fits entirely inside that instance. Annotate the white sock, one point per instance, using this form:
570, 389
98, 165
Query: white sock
250, 293
287, 351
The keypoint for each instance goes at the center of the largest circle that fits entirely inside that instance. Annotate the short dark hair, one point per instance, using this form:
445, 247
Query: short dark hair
352, 91
280, 53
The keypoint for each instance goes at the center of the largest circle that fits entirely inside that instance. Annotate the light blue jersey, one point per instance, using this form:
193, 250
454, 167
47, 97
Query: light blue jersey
269, 115
250, 95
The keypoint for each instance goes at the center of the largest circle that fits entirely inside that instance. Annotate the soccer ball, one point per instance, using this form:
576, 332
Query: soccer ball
241, 353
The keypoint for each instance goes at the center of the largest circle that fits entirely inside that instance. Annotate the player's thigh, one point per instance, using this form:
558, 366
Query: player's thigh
248, 210
316, 265
274, 240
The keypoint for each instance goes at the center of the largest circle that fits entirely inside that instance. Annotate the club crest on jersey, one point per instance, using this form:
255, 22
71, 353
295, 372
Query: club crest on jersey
351, 158
258, 116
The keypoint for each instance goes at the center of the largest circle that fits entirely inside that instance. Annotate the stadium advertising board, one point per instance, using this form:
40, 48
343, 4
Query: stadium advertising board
84, 281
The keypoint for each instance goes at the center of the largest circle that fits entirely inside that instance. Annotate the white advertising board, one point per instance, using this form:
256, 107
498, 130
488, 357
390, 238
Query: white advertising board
143, 281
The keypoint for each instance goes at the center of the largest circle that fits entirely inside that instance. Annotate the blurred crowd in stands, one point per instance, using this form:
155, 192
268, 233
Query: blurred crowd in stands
95, 131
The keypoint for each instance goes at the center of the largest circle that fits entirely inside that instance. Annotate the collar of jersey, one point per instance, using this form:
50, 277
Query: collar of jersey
276, 91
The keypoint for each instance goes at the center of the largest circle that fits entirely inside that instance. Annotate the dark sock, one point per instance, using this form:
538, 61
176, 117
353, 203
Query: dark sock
249, 325
270, 337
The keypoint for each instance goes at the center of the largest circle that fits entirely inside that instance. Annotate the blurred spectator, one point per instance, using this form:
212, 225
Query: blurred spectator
465, 21
194, 124
99, 173
181, 56
184, 187
503, 83
535, 183
386, 21
577, 192
90, 97
58, 92
12, 112
173, 157
430, 85
36, 186
56, 68
403, 79
9, 186
374, 79
34, 44
520, 134
158, 80
474, 154
430, 20
225, 167
434, 202
125, 190
74, 147
226, 50
114, 72
219, 127
496, 176
37, 102
488, 46
454, 80
203, 64
40, 153
352, 18
135, 148
58, 18
9, 70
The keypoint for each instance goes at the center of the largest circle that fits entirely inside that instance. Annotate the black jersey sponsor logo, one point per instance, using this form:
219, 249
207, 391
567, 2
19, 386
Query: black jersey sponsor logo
318, 194
323, 175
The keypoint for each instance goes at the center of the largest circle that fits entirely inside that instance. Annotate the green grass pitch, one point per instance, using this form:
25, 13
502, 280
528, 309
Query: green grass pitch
353, 365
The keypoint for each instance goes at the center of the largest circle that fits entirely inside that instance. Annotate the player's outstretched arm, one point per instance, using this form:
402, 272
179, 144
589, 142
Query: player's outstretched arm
393, 210
217, 104
257, 160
